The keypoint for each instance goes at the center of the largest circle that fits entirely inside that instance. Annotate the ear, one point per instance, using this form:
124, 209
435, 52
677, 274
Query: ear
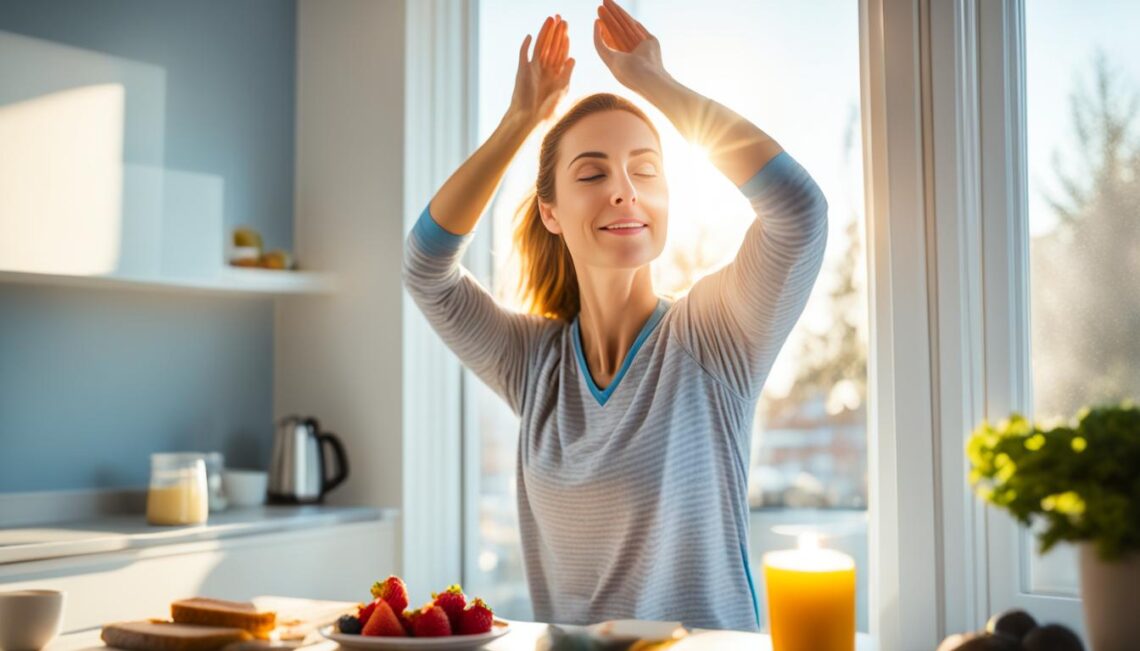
549, 220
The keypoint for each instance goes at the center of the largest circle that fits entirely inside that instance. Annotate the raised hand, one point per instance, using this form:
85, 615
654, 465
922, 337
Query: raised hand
542, 79
631, 53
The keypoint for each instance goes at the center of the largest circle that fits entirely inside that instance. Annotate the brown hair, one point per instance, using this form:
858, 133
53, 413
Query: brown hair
547, 283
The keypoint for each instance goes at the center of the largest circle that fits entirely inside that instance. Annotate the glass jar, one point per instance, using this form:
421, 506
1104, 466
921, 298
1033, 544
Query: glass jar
178, 492
215, 465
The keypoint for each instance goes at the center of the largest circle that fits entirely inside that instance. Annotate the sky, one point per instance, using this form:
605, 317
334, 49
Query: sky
1062, 39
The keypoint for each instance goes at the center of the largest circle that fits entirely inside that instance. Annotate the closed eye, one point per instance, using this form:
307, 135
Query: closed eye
598, 176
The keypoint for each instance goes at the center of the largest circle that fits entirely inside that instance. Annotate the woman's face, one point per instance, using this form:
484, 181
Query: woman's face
609, 171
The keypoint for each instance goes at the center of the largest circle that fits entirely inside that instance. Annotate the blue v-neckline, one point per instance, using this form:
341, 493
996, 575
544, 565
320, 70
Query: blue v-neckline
603, 395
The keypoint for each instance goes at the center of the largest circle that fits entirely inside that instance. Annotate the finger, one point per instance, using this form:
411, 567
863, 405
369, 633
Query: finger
608, 29
553, 55
611, 40
551, 41
565, 49
551, 44
567, 70
524, 50
604, 50
624, 42
644, 33
636, 29
625, 21
543, 37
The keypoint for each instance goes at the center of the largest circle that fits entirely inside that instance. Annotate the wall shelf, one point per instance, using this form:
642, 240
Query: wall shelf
226, 281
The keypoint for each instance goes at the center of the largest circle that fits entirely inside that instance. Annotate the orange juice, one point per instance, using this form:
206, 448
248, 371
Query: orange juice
811, 600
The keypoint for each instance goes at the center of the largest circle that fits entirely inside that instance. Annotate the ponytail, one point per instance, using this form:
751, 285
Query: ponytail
547, 284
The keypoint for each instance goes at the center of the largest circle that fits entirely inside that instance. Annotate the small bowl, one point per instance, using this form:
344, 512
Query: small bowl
245, 487
30, 619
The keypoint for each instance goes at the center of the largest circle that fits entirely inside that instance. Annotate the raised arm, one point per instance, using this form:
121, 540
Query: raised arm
540, 82
736, 147
733, 321
492, 341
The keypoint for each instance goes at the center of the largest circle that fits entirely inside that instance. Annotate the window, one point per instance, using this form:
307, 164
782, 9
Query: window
809, 460
1083, 149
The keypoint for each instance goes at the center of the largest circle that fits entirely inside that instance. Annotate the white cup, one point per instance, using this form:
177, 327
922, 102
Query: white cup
30, 619
245, 487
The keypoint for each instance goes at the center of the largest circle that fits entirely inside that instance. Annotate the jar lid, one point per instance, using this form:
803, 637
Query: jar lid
175, 458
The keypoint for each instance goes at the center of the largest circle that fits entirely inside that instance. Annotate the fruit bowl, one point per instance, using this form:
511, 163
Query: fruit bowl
449, 643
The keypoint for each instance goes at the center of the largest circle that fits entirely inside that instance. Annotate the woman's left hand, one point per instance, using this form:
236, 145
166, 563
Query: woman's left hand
631, 53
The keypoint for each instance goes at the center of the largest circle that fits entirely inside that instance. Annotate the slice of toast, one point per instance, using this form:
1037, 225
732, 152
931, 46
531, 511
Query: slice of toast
227, 614
165, 636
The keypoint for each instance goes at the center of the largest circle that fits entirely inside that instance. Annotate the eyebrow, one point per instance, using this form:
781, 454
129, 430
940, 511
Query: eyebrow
602, 154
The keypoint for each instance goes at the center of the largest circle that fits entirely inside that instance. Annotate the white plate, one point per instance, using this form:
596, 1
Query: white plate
451, 643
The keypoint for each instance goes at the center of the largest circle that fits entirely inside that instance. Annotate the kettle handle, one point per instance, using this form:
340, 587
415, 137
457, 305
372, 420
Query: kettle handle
341, 462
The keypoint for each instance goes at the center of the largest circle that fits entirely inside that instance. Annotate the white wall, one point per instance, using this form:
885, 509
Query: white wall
339, 357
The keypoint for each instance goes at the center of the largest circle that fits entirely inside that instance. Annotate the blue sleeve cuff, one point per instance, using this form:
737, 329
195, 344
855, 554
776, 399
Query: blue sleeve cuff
775, 173
435, 240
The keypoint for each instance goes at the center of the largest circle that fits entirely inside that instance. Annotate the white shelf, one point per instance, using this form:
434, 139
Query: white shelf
227, 280
131, 531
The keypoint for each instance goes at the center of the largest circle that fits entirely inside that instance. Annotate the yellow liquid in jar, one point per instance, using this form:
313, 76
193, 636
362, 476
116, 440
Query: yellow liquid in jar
184, 502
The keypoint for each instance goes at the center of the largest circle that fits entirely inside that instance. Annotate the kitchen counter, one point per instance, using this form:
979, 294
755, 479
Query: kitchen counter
124, 532
523, 637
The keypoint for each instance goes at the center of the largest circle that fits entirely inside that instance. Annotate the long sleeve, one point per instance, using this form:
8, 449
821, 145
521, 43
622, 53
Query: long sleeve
490, 340
735, 321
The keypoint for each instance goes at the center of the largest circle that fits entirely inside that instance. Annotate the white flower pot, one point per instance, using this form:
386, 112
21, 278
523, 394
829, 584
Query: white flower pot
1108, 590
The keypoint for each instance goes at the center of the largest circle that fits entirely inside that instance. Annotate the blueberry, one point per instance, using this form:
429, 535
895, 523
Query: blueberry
1052, 637
1014, 623
349, 624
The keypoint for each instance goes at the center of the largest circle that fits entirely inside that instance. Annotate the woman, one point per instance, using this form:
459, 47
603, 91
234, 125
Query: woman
636, 412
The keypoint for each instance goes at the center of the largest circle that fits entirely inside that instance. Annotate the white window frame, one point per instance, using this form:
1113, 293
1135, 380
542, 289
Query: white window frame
1008, 370
441, 67
936, 80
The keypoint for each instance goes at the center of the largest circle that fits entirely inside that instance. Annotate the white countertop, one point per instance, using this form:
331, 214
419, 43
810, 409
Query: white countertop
119, 532
523, 637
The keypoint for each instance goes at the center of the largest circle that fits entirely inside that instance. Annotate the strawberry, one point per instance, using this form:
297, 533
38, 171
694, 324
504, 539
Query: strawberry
476, 618
452, 601
431, 621
392, 590
406, 618
383, 622
365, 612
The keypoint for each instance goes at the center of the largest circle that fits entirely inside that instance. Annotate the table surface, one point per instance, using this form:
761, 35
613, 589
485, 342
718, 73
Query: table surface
523, 637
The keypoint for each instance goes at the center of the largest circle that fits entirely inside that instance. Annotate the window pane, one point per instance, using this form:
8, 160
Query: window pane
1083, 81
808, 462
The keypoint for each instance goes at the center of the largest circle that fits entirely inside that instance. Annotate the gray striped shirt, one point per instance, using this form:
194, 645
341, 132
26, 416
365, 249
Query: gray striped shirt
633, 500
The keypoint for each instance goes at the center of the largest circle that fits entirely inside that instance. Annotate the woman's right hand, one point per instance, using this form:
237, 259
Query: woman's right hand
542, 80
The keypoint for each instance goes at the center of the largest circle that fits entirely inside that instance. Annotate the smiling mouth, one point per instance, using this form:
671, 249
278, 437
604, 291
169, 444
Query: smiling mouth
630, 228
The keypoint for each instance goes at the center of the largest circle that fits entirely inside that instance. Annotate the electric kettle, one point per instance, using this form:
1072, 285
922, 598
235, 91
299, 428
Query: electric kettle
297, 466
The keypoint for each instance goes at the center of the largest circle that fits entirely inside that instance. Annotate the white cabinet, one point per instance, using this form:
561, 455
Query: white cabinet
337, 562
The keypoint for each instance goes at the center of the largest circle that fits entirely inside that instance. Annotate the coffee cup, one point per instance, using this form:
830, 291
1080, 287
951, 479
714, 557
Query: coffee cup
30, 619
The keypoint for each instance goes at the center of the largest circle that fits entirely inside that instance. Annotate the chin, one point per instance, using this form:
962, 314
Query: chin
633, 258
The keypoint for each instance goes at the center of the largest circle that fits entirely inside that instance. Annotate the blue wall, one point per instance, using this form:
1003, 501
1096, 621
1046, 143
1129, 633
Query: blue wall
93, 381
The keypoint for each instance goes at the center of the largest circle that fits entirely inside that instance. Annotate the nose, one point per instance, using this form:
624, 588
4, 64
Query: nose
623, 191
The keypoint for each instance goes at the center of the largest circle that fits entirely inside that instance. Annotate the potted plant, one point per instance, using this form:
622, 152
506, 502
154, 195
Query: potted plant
1081, 480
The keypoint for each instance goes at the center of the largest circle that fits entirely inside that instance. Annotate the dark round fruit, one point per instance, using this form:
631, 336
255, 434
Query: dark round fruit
349, 624
1052, 637
1014, 623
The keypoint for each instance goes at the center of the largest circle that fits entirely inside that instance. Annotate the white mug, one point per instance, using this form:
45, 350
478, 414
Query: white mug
30, 619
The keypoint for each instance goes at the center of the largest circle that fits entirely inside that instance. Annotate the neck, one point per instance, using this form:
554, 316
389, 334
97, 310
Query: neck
615, 305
